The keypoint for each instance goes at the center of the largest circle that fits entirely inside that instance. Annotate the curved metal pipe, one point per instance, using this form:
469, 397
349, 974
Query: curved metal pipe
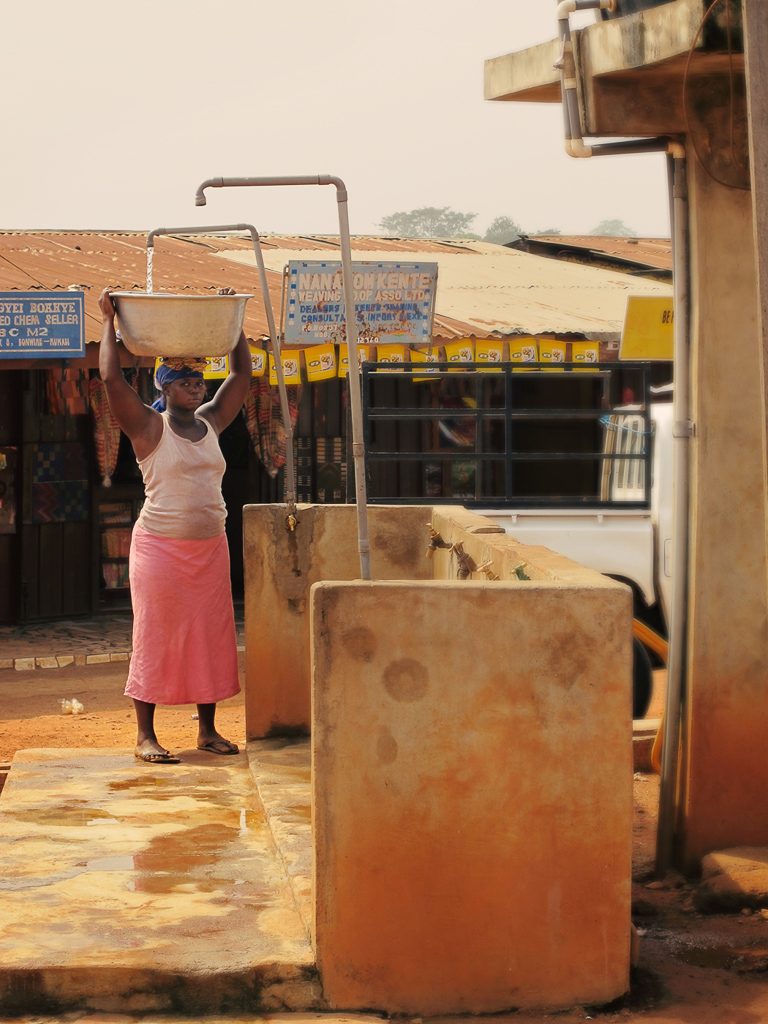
355, 399
274, 341
566, 64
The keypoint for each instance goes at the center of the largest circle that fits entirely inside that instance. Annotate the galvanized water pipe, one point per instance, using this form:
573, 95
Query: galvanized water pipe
274, 341
355, 400
566, 65
683, 430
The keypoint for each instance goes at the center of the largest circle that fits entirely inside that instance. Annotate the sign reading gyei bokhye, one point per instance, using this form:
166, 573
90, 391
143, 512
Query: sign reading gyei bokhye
42, 325
393, 301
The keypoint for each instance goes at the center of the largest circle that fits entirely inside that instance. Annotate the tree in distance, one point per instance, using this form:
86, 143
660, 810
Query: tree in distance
616, 228
429, 222
444, 222
502, 230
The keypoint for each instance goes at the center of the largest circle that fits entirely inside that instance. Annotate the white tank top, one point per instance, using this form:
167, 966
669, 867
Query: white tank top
182, 483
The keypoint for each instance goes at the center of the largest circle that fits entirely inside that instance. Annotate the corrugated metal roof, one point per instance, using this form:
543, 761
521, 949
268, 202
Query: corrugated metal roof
494, 289
482, 288
649, 252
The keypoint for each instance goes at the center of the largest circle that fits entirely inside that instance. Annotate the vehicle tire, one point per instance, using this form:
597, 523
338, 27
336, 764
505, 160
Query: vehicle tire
642, 679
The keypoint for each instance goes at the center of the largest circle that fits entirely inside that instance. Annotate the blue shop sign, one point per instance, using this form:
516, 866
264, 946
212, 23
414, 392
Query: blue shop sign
42, 325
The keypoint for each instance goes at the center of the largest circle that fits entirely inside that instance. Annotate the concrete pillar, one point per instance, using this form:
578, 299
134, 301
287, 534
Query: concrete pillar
725, 771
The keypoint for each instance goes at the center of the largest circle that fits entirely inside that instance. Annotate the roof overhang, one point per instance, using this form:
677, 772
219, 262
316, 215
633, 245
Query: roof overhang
614, 97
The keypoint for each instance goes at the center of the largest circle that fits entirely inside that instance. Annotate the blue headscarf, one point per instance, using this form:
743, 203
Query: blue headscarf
175, 369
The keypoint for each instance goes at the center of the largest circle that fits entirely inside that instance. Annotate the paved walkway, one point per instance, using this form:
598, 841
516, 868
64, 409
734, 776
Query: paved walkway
130, 887
63, 642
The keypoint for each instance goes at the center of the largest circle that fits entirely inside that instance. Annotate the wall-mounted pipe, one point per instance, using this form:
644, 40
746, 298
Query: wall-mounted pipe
683, 431
566, 65
355, 400
274, 341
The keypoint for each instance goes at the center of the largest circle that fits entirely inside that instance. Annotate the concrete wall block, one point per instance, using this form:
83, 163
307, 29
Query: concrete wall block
472, 783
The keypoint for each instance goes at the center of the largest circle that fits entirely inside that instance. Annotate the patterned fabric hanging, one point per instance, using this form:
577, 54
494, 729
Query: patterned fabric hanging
105, 429
66, 389
264, 420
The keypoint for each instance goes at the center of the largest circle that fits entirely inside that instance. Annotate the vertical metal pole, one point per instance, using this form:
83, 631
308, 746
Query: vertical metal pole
682, 429
355, 404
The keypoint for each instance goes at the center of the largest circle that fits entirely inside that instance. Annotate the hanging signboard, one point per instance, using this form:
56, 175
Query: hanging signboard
41, 325
394, 302
648, 328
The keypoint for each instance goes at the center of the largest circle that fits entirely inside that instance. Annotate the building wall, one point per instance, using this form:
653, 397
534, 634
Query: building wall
726, 773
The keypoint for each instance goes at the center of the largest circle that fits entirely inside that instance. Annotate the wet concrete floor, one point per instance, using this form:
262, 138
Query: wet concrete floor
130, 887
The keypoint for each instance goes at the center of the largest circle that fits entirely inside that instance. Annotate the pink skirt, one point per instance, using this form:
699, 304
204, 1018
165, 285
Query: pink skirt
184, 641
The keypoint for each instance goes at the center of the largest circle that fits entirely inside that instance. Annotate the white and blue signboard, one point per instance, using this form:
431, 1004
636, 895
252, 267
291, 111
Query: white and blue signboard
394, 302
42, 325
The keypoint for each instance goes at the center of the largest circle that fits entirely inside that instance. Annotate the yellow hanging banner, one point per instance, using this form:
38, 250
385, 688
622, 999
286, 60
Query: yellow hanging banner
320, 361
291, 369
395, 354
462, 351
551, 351
523, 349
583, 354
648, 328
490, 352
216, 367
418, 355
363, 356
258, 361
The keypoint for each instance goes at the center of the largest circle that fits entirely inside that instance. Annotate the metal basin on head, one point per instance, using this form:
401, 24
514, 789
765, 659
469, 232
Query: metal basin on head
161, 324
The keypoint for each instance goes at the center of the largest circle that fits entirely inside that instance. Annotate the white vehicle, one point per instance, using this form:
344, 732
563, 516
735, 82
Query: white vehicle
630, 545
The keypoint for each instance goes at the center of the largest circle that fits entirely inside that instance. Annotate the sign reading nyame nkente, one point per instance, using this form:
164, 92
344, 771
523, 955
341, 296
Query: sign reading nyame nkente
42, 325
394, 302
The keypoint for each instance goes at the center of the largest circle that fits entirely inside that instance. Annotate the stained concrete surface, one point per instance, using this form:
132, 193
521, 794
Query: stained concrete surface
134, 888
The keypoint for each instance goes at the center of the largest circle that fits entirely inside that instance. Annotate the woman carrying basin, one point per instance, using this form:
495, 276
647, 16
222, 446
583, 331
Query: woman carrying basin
184, 643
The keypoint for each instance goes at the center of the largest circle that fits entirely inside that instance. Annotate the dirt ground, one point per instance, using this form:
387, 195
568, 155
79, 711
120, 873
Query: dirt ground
693, 968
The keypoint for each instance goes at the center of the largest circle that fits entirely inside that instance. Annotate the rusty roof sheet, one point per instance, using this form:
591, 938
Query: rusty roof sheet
482, 288
655, 253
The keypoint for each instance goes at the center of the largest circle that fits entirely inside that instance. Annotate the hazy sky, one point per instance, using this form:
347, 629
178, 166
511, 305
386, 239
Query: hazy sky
112, 114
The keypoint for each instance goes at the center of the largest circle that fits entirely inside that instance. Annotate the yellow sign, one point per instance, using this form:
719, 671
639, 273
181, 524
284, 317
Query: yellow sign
551, 351
523, 349
291, 369
489, 352
390, 353
648, 328
418, 355
363, 356
460, 352
258, 361
584, 353
320, 361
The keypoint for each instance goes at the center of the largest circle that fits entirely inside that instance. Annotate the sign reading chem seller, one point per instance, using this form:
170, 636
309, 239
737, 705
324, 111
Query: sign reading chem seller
42, 325
648, 328
393, 302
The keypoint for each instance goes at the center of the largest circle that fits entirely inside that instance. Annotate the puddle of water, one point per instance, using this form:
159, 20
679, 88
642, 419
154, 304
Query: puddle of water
140, 782
72, 814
